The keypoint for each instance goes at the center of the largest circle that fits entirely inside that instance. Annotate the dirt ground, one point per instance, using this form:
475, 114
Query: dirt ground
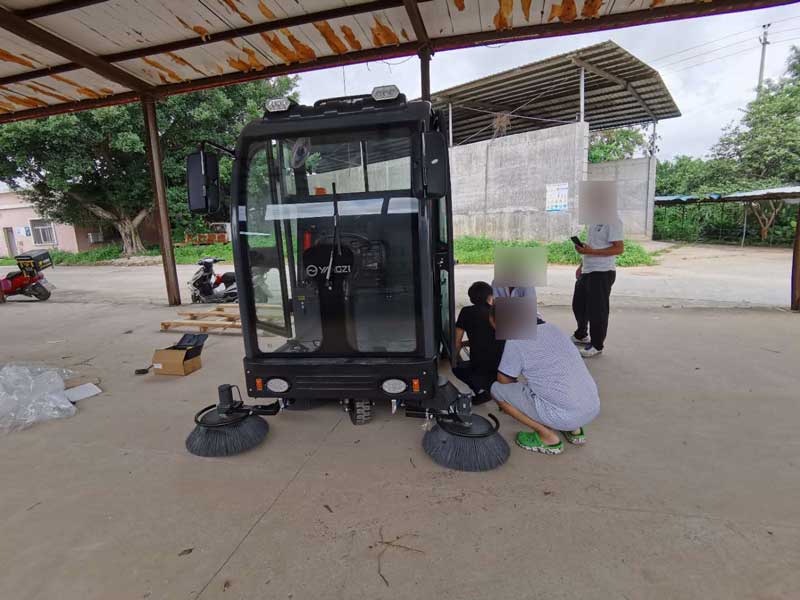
687, 488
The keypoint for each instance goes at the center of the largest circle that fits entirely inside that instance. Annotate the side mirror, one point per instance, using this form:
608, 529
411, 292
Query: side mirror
435, 167
202, 178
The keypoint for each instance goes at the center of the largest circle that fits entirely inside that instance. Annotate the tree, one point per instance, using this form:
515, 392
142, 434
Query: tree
91, 166
616, 144
761, 151
765, 145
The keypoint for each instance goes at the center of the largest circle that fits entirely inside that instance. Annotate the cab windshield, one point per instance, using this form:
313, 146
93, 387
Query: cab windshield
331, 233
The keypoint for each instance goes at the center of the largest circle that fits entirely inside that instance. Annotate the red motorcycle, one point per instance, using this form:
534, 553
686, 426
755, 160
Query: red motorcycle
29, 280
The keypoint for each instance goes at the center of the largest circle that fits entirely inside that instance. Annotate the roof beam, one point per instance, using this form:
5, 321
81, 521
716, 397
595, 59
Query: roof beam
44, 39
661, 14
336, 60
416, 22
618, 80
228, 34
37, 12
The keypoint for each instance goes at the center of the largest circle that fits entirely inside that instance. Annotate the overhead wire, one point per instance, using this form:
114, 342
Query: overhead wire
714, 41
717, 40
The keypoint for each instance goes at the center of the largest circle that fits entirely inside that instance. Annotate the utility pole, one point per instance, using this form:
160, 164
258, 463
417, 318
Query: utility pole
763, 39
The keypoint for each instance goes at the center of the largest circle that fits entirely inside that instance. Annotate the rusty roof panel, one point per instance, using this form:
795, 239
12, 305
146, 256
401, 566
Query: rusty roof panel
55, 89
18, 55
123, 30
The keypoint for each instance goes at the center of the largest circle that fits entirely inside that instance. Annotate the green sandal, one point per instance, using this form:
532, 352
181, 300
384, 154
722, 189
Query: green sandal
579, 439
530, 441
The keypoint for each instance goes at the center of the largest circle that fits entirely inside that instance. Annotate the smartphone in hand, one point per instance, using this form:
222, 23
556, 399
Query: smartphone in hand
576, 240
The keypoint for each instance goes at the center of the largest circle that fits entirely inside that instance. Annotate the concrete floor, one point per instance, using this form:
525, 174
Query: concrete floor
688, 487
684, 276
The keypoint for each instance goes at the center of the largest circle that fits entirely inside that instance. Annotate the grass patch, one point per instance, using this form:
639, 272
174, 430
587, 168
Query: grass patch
189, 255
468, 250
480, 251
184, 255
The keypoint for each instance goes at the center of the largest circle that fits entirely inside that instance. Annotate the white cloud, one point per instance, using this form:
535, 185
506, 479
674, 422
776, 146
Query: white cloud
709, 96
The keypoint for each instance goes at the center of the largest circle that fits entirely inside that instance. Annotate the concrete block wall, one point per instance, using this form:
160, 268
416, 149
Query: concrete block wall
635, 179
499, 186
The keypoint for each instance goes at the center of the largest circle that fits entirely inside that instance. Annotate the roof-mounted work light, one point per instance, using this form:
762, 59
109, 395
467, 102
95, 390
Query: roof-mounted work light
278, 104
385, 92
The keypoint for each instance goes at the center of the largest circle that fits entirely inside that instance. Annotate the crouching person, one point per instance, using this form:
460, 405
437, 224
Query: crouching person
558, 393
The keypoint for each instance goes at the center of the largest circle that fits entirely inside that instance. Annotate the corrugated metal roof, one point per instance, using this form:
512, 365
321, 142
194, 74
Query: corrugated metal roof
73, 54
788, 193
620, 90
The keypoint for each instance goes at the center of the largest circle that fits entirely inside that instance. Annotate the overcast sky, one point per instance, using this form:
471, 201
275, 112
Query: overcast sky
709, 95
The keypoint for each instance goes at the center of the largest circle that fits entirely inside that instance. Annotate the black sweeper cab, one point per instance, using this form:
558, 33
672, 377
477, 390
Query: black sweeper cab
342, 238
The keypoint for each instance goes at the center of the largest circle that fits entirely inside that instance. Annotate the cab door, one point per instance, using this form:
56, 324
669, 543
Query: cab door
445, 267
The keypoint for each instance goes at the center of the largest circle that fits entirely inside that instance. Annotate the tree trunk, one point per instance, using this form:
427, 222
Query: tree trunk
128, 227
765, 220
131, 241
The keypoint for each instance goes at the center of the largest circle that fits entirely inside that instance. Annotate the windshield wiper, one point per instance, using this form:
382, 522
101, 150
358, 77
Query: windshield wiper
336, 248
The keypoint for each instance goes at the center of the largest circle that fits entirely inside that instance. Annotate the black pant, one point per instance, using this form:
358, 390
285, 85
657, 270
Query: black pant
590, 305
476, 380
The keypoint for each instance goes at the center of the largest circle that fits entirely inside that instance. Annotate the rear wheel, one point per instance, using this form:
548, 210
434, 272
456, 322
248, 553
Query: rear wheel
40, 292
360, 411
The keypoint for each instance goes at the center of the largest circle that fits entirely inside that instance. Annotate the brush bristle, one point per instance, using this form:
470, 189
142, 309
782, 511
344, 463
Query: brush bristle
465, 453
227, 440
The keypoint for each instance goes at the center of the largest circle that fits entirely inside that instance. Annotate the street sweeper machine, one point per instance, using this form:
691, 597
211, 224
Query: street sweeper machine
343, 250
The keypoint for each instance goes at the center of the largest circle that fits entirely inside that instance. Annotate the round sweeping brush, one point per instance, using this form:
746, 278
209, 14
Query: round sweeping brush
473, 447
217, 434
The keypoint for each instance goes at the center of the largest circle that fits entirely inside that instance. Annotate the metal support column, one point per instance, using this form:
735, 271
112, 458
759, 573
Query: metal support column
450, 124
425, 72
160, 196
583, 94
796, 265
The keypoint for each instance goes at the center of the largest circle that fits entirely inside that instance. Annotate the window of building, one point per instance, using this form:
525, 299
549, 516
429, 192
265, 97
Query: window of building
43, 232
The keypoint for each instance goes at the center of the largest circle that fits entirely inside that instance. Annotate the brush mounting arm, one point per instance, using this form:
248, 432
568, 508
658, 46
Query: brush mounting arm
228, 406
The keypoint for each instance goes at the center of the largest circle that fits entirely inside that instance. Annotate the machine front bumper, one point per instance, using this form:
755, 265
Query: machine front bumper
340, 379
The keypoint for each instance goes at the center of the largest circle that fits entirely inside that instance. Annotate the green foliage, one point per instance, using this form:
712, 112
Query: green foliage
616, 144
759, 152
189, 255
480, 250
184, 255
687, 176
91, 165
88, 257
713, 223
766, 143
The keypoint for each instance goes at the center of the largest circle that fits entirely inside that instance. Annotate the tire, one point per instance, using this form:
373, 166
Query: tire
40, 292
360, 411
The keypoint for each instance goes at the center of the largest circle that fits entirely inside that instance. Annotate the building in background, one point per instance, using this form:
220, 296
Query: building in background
520, 140
23, 229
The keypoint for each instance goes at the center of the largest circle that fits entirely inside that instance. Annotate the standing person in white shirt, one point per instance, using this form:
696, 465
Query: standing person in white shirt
595, 276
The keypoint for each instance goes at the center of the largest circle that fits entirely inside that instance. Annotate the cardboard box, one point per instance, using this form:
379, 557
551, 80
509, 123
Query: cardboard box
182, 358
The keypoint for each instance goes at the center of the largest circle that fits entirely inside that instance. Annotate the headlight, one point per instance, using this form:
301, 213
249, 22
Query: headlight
277, 385
394, 386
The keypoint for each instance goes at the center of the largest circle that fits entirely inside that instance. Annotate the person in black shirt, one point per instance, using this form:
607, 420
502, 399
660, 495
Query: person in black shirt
485, 351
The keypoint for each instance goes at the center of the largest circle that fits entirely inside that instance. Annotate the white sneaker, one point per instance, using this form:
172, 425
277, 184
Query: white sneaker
580, 341
589, 351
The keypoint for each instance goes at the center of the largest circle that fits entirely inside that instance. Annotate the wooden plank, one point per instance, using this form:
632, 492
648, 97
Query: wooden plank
203, 326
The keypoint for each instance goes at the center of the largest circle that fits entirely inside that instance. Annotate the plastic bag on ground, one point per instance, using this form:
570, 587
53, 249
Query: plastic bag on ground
29, 395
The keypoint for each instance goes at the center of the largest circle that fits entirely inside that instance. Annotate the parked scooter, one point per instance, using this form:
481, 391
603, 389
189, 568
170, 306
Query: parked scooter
208, 287
28, 280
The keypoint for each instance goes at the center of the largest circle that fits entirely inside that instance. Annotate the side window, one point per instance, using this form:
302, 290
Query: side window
262, 237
